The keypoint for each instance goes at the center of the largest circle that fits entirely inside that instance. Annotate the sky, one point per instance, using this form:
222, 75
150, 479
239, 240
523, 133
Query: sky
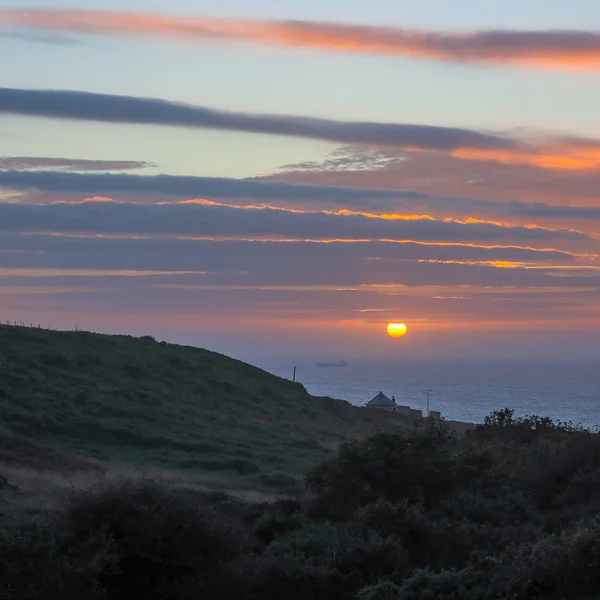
284, 179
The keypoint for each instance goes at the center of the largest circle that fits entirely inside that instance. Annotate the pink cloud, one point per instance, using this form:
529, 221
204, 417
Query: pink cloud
564, 50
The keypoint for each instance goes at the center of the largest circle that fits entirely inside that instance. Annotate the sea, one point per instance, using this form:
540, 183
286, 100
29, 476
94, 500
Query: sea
462, 391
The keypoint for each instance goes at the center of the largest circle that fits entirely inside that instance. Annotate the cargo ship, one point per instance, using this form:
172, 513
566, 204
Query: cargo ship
338, 363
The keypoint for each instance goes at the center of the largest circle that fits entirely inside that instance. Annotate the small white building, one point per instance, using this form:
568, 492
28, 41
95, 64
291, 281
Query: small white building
382, 401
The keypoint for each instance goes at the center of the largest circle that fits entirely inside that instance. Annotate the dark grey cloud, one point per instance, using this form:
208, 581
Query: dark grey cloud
87, 106
56, 252
337, 274
70, 164
52, 39
224, 221
258, 190
191, 187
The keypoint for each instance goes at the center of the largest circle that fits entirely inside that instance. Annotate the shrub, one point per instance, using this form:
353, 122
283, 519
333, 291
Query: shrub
36, 563
292, 577
561, 472
502, 424
425, 584
385, 590
417, 467
274, 521
167, 543
564, 565
359, 558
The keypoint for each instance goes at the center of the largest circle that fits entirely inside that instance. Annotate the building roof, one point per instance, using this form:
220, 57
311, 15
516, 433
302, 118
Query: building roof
381, 400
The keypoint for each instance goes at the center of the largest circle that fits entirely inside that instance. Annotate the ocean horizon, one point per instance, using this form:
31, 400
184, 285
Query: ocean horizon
462, 390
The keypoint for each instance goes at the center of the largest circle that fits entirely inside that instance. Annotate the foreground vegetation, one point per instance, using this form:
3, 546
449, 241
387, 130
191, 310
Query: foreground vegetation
66, 397
509, 510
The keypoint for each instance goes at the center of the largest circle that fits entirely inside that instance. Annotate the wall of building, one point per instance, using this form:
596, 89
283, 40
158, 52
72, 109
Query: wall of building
409, 412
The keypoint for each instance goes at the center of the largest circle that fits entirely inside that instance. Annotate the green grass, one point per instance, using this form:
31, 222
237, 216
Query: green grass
66, 397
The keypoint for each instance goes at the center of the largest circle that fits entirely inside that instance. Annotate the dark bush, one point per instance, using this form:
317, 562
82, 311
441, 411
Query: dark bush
503, 425
564, 565
424, 584
357, 557
418, 467
385, 590
292, 577
428, 541
168, 543
274, 520
37, 563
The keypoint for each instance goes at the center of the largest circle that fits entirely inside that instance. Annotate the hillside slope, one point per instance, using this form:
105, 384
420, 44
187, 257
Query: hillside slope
69, 396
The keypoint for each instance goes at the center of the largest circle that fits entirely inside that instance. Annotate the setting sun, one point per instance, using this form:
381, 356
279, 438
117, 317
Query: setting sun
396, 330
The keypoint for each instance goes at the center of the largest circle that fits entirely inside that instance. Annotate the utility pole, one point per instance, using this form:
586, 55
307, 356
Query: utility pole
428, 392
294, 379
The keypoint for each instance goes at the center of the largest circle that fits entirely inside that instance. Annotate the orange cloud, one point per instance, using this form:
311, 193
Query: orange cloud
563, 50
292, 240
567, 155
499, 264
385, 216
97, 199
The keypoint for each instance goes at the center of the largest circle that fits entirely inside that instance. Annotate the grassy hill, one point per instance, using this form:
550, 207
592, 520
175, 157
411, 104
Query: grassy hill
67, 397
